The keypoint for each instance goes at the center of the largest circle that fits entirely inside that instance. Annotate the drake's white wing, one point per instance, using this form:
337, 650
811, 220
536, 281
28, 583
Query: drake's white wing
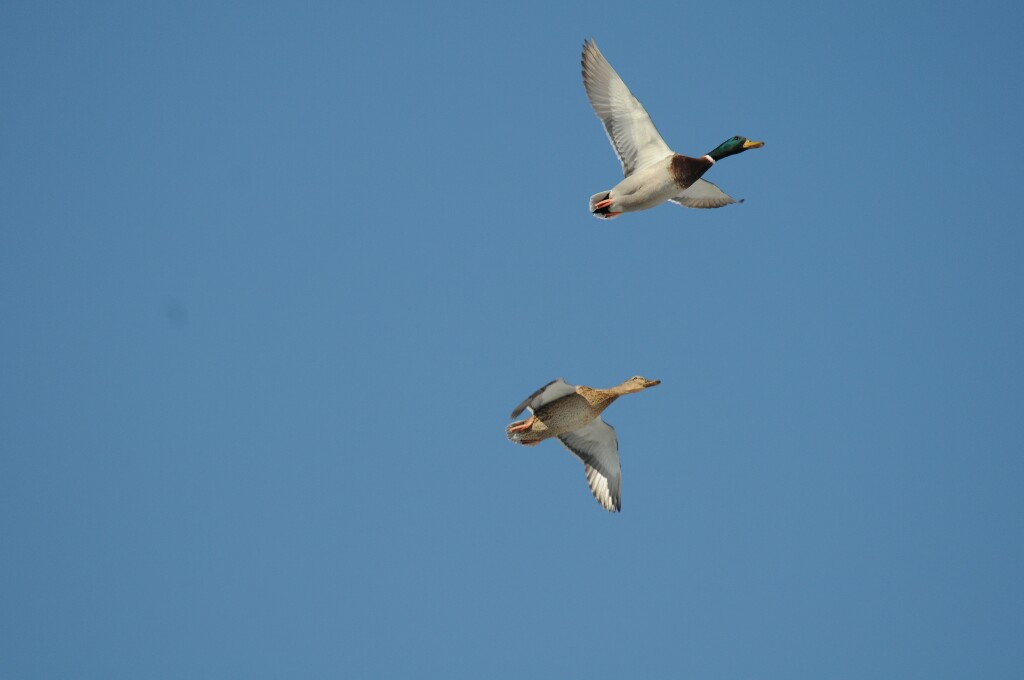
703, 194
556, 389
597, 446
632, 133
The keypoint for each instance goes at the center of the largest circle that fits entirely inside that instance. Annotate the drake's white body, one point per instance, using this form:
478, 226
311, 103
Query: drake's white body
643, 189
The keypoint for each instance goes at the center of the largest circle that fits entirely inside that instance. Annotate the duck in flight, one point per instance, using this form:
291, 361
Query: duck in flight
654, 173
572, 413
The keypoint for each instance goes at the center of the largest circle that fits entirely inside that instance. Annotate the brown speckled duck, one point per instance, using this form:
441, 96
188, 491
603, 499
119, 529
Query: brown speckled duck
572, 413
654, 173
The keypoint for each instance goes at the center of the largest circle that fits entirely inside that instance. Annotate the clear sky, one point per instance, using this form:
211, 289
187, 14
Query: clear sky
272, 277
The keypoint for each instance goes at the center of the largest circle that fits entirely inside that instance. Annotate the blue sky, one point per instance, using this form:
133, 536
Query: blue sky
272, 278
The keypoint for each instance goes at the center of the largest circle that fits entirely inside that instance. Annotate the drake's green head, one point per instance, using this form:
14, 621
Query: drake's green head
733, 146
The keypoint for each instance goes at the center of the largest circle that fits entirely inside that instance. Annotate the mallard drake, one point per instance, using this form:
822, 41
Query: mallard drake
654, 173
573, 414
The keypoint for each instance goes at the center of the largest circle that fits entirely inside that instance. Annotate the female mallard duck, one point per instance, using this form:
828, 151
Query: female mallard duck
573, 414
654, 173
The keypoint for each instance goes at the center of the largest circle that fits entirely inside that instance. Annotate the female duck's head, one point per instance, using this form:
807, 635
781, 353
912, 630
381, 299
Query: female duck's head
636, 384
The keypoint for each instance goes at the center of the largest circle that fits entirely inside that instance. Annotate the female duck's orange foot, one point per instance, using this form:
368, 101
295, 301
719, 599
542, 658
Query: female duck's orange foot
522, 425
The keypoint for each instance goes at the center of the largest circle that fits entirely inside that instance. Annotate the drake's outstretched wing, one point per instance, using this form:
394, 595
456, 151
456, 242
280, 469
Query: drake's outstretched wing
632, 133
703, 194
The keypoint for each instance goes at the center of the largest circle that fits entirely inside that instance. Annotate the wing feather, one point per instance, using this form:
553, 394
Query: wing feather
630, 129
703, 194
556, 389
598, 447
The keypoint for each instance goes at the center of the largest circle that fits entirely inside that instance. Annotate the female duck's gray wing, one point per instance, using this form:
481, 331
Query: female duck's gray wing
703, 194
632, 133
597, 446
556, 389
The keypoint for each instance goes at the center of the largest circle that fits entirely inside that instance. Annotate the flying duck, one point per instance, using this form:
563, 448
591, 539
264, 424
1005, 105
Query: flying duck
654, 173
572, 413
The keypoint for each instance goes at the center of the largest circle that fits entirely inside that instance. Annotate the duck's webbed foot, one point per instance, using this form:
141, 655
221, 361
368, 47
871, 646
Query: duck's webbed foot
522, 425
601, 210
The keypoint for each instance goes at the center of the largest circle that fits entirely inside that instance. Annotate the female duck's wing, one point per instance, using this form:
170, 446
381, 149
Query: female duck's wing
703, 194
597, 446
632, 133
556, 389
